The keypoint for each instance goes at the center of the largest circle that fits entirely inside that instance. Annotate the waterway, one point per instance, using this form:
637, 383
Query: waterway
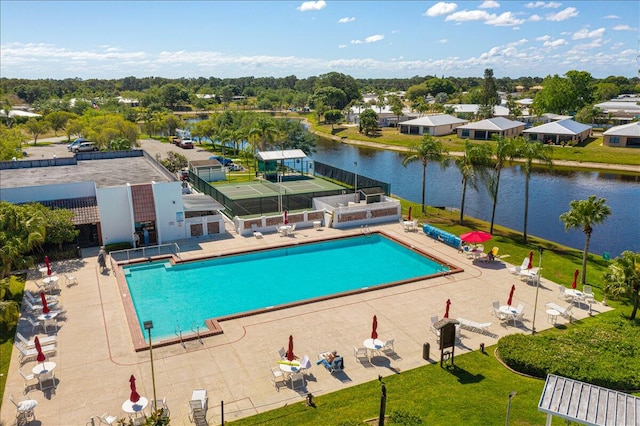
549, 195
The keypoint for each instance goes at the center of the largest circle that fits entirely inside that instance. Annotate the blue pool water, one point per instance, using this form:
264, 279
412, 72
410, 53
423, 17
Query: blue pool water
181, 297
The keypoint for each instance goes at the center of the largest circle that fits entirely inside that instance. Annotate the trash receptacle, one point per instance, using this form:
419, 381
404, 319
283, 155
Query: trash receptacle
425, 351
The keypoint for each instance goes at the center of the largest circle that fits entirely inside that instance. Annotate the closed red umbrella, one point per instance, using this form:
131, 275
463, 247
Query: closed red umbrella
446, 312
286, 217
46, 262
374, 328
510, 299
530, 264
409, 215
134, 397
290, 355
43, 298
40, 357
475, 237
575, 279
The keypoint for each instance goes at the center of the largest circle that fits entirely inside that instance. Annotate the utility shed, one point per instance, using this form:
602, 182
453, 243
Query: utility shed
587, 404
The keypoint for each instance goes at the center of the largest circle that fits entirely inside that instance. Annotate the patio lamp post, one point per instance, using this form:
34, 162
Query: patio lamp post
355, 182
511, 395
535, 305
148, 325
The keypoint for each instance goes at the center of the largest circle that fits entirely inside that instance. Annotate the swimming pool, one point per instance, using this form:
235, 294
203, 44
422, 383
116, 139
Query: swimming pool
180, 297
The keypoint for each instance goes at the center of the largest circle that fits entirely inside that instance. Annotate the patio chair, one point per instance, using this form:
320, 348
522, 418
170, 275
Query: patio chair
297, 381
388, 346
160, 407
282, 352
256, 233
47, 381
434, 319
292, 231
71, 280
108, 419
277, 379
24, 409
519, 315
305, 363
198, 406
26, 377
361, 354
494, 307
562, 293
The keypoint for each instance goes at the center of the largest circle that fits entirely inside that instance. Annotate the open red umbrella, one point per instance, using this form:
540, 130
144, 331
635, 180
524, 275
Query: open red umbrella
41, 356
530, 264
43, 298
510, 299
575, 279
409, 215
134, 397
475, 237
286, 217
290, 355
374, 328
46, 262
446, 312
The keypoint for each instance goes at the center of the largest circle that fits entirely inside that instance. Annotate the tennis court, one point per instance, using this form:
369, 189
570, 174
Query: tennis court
290, 185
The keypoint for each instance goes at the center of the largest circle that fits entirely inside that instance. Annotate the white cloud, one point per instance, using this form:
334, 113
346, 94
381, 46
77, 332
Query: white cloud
556, 43
584, 33
541, 4
505, 19
342, 46
535, 18
373, 38
611, 17
622, 28
468, 15
543, 38
489, 4
518, 43
563, 15
443, 40
395, 31
312, 5
346, 20
441, 8
356, 41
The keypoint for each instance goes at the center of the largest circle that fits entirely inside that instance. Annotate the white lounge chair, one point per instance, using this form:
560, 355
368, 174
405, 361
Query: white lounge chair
256, 233
198, 406
26, 354
565, 312
478, 327
45, 340
52, 300
515, 270
71, 280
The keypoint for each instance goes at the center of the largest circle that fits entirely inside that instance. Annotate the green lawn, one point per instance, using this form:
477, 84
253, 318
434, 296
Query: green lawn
7, 336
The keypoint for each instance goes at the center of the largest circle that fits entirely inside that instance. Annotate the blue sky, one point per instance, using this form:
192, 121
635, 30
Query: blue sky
364, 39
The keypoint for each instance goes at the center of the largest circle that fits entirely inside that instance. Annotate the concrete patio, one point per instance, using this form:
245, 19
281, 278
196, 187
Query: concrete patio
96, 356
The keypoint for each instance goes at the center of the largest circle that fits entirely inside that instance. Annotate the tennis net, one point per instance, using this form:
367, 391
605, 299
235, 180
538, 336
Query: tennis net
274, 186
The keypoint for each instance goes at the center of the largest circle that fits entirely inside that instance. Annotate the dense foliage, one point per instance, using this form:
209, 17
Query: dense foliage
605, 353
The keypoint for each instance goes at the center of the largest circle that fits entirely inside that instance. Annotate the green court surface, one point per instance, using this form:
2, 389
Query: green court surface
291, 185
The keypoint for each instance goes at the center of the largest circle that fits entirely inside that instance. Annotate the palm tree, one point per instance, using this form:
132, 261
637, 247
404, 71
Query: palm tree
585, 214
623, 277
530, 151
428, 149
473, 164
265, 129
505, 149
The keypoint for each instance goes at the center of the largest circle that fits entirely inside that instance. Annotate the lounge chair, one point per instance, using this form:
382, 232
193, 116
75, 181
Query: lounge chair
34, 323
108, 419
51, 300
26, 354
198, 406
334, 366
24, 410
256, 233
565, 312
478, 327
515, 270
491, 256
32, 344
71, 280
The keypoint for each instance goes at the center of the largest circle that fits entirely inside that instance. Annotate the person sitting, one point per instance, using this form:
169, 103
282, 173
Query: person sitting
331, 356
327, 359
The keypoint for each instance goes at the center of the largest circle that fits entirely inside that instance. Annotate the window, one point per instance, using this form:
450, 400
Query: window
614, 139
465, 133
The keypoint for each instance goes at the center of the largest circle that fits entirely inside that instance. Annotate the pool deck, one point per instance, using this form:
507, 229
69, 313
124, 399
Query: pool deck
96, 354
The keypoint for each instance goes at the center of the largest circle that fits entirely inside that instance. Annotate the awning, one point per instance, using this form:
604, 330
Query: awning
200, 203
286, 154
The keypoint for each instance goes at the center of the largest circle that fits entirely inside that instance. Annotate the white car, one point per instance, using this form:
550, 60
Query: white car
235, 167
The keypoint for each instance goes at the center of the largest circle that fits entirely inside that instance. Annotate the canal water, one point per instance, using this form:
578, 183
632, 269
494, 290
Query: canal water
549, 195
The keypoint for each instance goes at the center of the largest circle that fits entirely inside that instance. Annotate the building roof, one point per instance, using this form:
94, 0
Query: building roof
629, 129
588, 404
200, 203
285, 154
434, 121
85, 209
20, 113
498, 110
495, 124
562, 127
619, 106
104, 173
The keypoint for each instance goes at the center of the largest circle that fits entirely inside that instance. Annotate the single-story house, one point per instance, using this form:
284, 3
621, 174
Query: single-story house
486, 129
435, 125
559, 132
625, 135
386, 117
471, 110
622, 109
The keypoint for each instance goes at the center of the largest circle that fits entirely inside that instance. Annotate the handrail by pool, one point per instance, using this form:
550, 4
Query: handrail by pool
145, 252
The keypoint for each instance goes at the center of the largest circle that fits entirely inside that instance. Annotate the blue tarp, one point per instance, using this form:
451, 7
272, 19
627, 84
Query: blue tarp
440, 235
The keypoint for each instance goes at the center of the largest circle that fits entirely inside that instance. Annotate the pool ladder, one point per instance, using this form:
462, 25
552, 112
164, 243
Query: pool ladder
365, 230
179, 334
195, 327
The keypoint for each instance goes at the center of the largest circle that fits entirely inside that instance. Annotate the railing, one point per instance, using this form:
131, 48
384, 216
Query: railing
145, 252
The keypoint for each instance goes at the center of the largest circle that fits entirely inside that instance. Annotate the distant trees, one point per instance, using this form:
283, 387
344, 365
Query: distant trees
488, 95
565, 95
585, 214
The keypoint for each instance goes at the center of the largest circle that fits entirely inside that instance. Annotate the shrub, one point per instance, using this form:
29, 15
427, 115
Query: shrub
118, 246
603, 352
401, 417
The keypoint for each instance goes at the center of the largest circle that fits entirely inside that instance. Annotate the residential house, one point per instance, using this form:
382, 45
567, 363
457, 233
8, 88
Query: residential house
625, 135
435, 125
487, 129
559, 132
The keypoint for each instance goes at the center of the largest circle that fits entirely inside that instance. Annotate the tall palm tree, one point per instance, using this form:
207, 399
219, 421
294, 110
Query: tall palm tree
585, 214
473, 166
531, 151
265, 129
428, 149
505, 149
623, 277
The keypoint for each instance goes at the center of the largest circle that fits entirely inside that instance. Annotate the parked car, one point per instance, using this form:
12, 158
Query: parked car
233, 167
186, 144
76, 143
222, 160
85, 147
